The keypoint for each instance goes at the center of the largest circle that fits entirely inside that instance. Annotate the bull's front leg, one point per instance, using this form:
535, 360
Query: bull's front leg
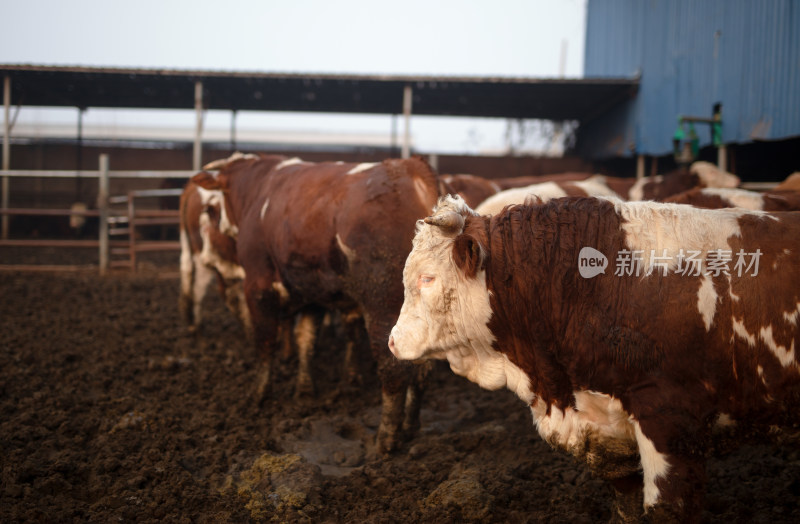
414, 393
396, 378
627, 507
673, 443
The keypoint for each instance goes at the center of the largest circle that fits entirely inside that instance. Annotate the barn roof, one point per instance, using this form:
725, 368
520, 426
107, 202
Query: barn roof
84, 87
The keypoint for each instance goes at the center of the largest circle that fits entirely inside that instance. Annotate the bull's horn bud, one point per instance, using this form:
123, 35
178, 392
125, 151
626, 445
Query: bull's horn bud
449, 221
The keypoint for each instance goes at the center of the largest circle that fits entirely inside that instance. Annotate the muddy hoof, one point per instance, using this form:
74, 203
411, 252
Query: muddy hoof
386, 443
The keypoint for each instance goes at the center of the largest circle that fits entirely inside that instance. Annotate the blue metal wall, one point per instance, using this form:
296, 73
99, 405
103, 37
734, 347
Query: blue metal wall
691, 54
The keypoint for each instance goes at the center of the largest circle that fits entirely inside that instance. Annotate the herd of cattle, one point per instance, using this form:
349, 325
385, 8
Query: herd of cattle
512, 281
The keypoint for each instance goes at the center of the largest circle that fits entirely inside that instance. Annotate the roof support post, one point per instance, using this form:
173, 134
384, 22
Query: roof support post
640, 166
407, 119
6, 150
233, 131
197, 157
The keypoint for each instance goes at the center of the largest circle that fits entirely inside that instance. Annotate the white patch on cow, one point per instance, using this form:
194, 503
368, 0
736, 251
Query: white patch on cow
707, 301
264, 208
741, 331
737, 197
209, 197
219, 164
362, 167
785, 355
636, 192
666, 229
216, 198
712, 176
211, 258
792, 316
349, 252
283, 293
186, 264
517, 195
594, 412
654, 466
289, 162
595, 185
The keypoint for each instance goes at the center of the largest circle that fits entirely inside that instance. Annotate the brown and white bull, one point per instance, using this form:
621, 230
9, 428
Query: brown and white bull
333, 235
207, 255
626, 369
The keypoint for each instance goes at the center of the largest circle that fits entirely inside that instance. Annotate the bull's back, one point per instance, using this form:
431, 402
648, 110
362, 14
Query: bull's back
333, 221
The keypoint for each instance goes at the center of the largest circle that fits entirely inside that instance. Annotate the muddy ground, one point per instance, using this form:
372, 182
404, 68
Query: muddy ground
111, 412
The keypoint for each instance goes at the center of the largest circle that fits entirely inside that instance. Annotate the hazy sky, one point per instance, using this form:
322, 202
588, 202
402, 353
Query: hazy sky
468, 37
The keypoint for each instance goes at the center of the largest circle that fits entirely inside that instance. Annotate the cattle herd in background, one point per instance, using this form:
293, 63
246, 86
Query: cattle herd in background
627, 372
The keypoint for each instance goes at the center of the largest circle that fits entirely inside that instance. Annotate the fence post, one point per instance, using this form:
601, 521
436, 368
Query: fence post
6, 152
102, 206
132, 230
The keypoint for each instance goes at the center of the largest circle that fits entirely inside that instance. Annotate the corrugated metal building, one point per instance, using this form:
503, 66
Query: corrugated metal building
689, 55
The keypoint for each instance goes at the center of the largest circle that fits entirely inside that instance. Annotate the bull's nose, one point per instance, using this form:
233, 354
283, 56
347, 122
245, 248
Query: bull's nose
391, 345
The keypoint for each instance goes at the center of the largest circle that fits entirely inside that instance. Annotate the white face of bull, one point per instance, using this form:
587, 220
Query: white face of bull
446, 313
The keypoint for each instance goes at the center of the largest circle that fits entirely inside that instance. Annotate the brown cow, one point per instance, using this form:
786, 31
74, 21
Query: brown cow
626, 369
717, 198
334, 235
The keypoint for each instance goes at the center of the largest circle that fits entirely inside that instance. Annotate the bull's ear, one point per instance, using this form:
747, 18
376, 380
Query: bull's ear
468, 254
206, 181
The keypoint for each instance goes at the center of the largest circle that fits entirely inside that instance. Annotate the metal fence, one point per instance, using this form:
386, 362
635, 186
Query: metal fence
119, 218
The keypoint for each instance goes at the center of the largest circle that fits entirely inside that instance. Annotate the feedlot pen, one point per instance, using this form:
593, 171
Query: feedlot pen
120, 221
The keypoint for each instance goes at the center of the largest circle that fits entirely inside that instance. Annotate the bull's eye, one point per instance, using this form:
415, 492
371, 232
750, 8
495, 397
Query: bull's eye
425, 281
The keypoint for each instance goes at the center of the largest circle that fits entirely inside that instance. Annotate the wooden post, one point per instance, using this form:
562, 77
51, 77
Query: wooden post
407, 118
6, 151
197, 158
640, 166
722, 157
132, 231
102, 207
